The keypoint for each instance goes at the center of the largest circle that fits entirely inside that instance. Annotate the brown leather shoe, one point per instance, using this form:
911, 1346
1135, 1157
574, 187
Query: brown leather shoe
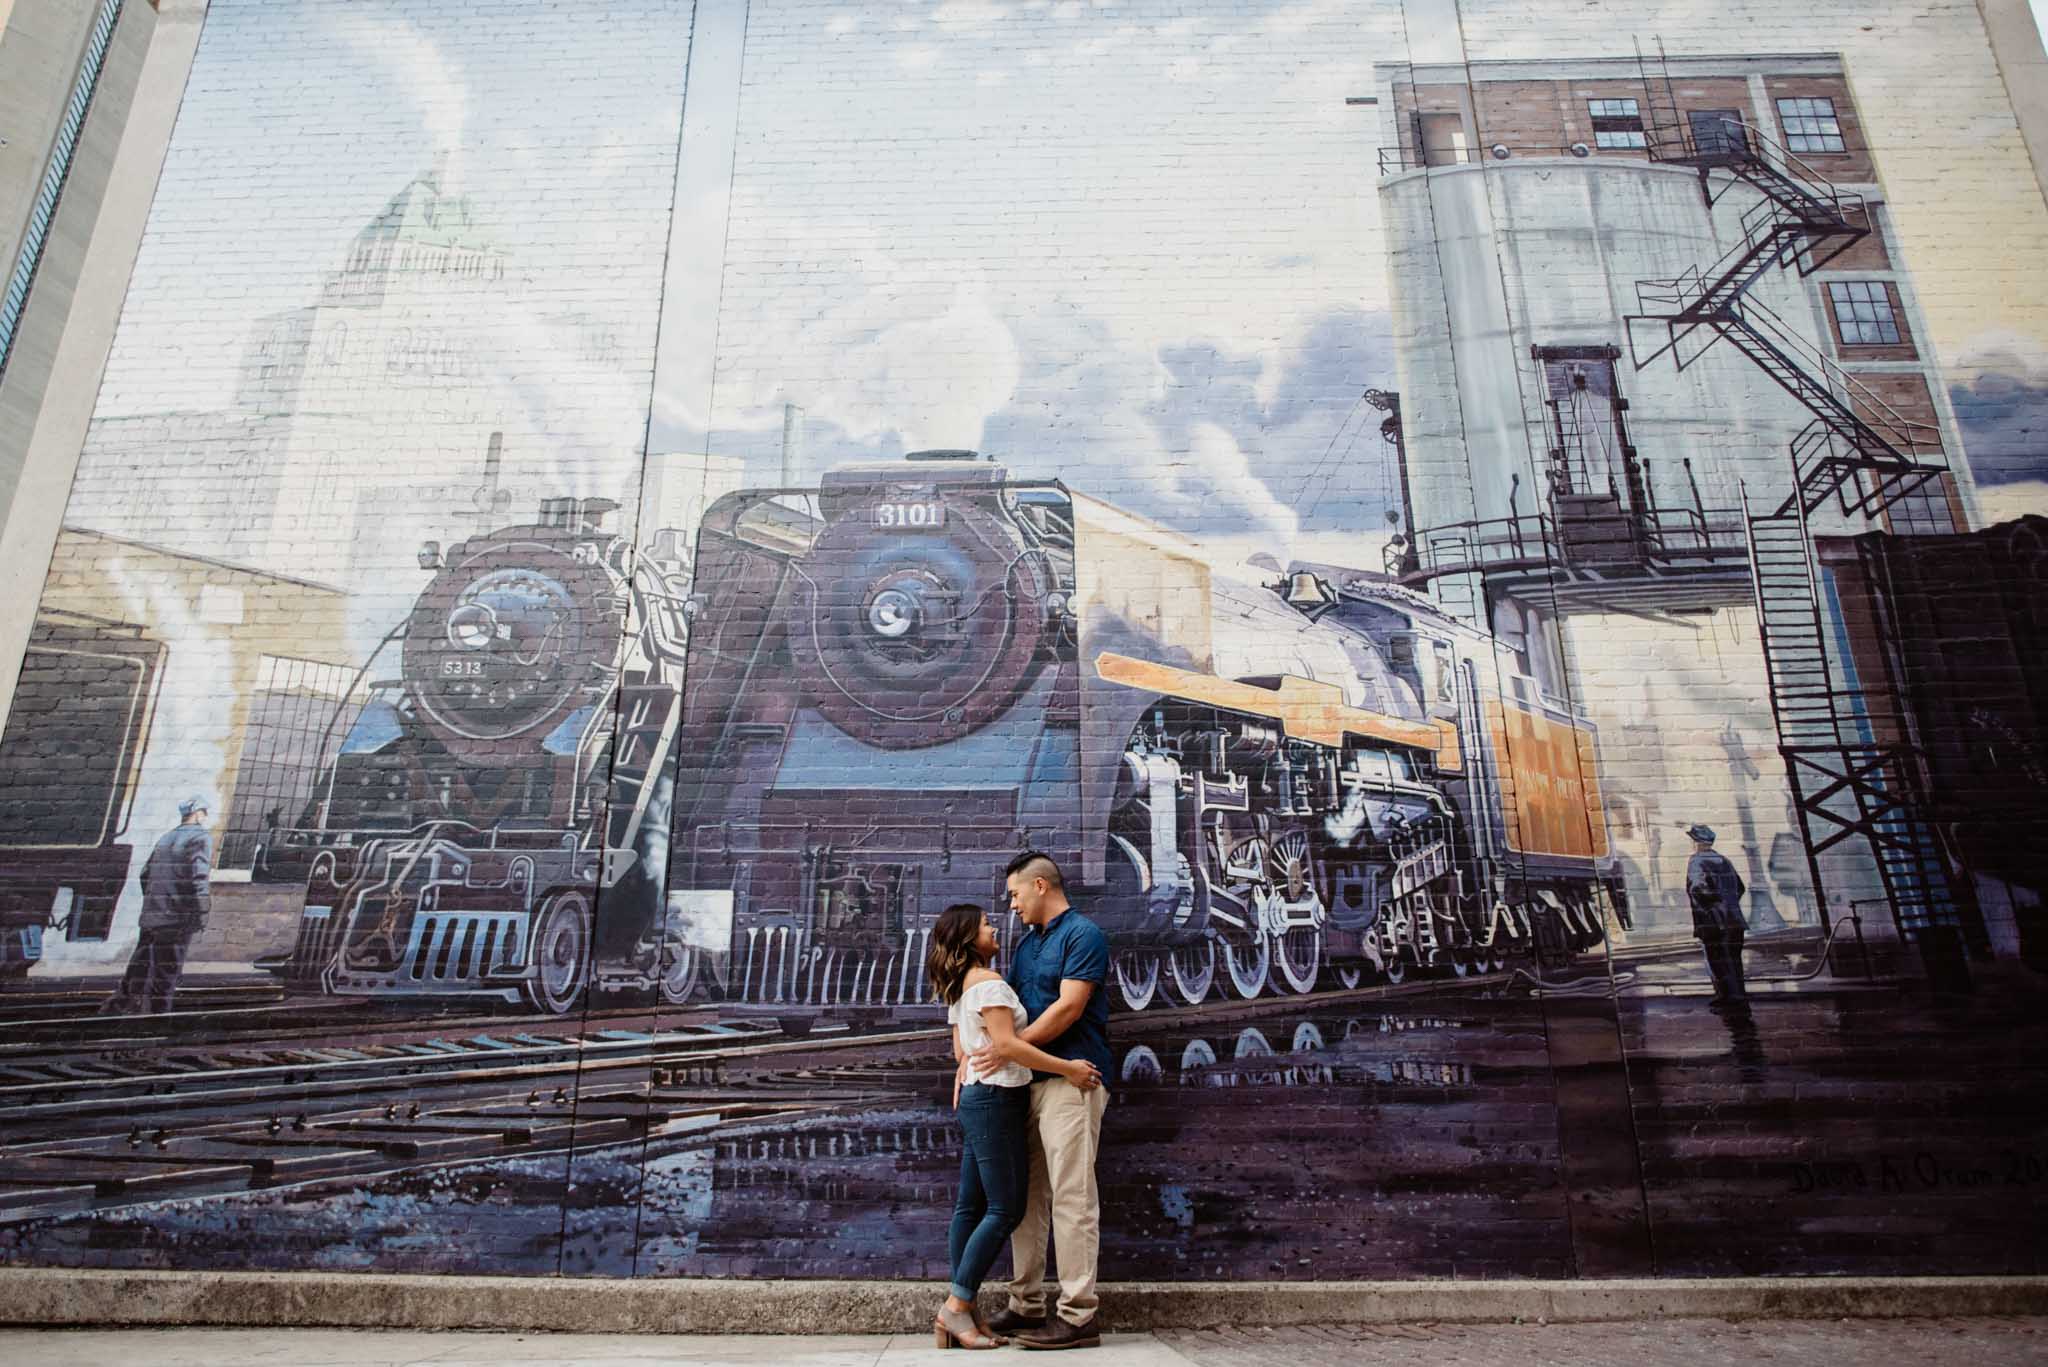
1060, 1334
1008, 1322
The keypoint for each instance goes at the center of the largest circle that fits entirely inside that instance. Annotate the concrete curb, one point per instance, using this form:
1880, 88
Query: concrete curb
57, 1296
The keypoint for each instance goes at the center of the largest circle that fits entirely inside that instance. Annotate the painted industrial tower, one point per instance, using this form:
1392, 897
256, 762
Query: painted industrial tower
1568, 241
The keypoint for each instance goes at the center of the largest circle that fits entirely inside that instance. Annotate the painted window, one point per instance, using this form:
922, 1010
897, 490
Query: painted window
1810, 125
1863, 313
1616, 124
1924, 512
297, 716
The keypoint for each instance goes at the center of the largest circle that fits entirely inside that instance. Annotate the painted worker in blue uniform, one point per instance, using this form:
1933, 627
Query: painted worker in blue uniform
1715, 890
1057, 970
175, 902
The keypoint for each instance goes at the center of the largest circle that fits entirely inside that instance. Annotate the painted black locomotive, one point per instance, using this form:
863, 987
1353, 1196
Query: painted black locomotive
480, 807
900, 678
882, 705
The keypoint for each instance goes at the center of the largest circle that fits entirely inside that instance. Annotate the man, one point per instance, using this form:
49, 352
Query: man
1715, 890
1057, 971
175, 902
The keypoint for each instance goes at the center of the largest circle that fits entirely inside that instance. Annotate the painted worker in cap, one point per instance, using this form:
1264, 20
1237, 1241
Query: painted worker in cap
175, 902
1715, 890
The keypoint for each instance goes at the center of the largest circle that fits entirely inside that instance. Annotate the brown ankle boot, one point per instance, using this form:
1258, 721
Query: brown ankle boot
1060, 1334
1008, 1322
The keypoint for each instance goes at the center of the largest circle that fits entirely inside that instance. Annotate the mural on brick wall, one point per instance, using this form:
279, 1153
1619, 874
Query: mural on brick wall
1499, 637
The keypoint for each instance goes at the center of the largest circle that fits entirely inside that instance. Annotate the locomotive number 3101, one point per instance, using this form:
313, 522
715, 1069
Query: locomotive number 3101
932, 514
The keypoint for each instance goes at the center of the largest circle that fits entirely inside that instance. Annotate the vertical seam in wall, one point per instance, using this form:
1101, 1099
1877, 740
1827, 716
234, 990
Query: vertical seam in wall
1496, 216
739, 100
633, 550
1483, 609
2037, 149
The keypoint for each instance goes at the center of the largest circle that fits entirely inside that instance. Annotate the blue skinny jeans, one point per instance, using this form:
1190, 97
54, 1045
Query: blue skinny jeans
995, 1168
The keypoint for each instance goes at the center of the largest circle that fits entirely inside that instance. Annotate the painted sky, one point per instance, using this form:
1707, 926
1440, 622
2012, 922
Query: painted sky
1132, 245
1136, 245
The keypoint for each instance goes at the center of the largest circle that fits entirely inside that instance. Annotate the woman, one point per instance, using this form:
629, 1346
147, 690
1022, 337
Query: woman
994, 1168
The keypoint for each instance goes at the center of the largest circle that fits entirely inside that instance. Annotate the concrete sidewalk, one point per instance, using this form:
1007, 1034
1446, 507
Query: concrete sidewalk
1665, 1343
401, 1302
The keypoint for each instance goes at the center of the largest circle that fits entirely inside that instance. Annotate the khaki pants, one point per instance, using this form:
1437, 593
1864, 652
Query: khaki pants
1063, 1135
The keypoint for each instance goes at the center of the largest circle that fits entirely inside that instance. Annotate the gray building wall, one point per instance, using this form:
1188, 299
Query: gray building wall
46, 399
38, 77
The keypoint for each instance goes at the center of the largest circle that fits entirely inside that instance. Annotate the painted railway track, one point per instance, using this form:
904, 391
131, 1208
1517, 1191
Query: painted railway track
20, 1001
306, 1095
268, 1123
326, 1047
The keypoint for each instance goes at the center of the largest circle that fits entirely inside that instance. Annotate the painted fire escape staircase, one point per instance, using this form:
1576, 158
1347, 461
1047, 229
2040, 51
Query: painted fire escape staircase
1854, 771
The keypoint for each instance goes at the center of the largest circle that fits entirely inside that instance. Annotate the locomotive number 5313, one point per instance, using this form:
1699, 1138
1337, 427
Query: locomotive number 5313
932, 514
462, 669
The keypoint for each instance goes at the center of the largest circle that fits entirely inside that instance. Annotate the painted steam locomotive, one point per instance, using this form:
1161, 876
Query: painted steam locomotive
479, 808
899, 679
894, 682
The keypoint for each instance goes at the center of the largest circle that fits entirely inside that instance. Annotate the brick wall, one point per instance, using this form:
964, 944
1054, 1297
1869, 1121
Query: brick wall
599, 806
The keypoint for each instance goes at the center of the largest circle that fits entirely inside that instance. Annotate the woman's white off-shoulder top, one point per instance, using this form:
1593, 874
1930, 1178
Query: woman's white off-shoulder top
965, 1015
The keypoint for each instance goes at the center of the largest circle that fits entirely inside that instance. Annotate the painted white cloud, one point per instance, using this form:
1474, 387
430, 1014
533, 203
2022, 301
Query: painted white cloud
414, 64
969, 13
931, 368
1221, 471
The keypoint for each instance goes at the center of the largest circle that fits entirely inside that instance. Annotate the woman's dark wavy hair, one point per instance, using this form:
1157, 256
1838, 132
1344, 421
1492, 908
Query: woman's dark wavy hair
952, 952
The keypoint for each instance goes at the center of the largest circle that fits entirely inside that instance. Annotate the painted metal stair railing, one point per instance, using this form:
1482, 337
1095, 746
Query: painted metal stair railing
1849, 778
1772, 237
1800, 219
1853, 771
1862, 449
1859, 447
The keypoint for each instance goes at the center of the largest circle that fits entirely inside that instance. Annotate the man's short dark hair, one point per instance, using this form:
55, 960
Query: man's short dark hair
1036, 864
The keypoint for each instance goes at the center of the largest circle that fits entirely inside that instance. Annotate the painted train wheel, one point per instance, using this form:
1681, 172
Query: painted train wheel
560, 954
1191, 972
1141, 1065
1298, 954
1252, 1044
1246, 965
1348, 975
1136, 974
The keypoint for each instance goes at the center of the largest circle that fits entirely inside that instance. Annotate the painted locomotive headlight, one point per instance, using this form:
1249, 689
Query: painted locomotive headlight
892, 613
521, 611
473, 626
